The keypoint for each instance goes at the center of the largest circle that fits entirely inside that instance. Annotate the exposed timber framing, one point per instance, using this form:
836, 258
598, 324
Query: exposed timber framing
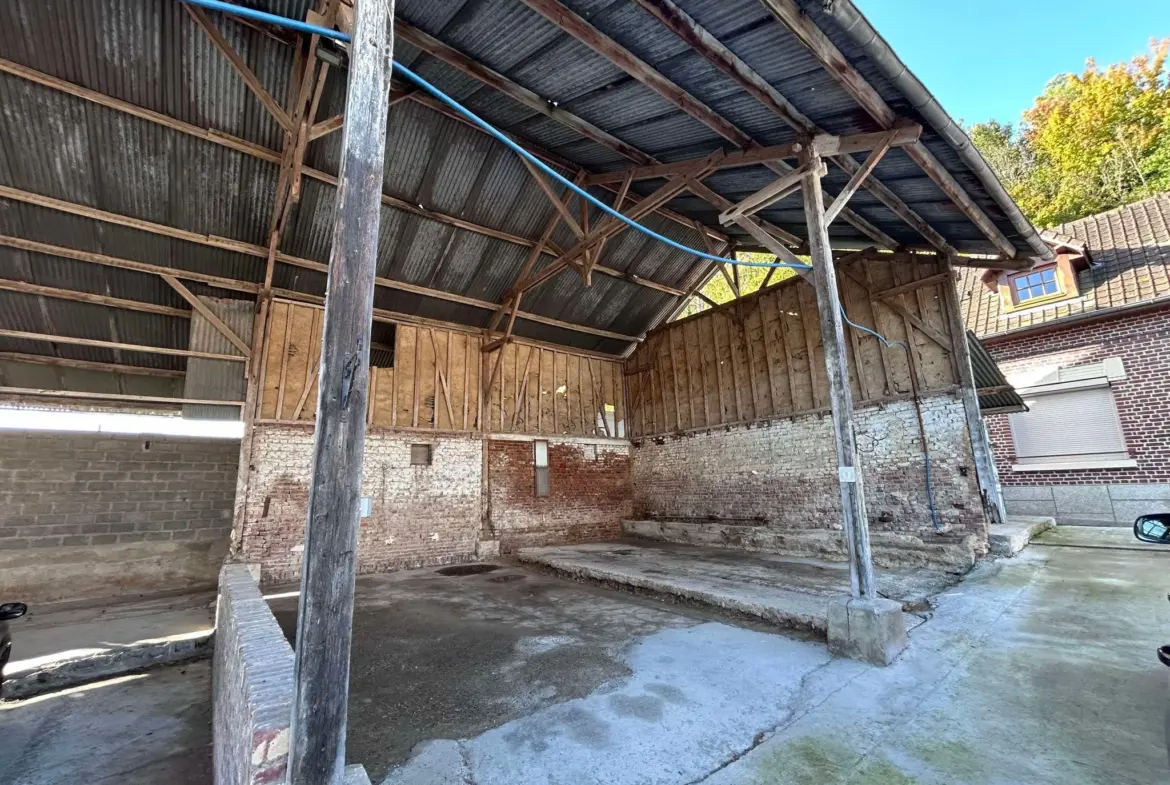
275, 157
679, 22
27, 392
88, 297
778, 189
253, 83
325, 618
89, 365
599, 42
875, 157
824, 276
126, 347
251, 249
209, 315
851, 80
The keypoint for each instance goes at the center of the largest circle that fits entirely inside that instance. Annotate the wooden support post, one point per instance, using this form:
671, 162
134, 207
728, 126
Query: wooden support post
325, 617
985, 470
833, 339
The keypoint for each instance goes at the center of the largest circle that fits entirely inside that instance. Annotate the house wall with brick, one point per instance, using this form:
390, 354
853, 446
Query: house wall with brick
88, 514
783, 473
1101, 496
589, 492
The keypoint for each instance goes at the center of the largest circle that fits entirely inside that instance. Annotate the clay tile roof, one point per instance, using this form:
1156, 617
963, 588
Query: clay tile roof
1130, 252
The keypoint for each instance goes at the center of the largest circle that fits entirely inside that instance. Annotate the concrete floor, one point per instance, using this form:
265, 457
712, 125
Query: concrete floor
1116, 537
1038, 670
142, 729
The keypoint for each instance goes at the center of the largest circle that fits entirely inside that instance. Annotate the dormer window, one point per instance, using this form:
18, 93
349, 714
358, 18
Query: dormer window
1034, 286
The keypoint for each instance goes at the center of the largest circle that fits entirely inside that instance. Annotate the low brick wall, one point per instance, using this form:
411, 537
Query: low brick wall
252, 685
783, 474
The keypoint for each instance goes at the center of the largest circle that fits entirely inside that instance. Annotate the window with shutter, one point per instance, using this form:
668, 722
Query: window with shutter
1069, 427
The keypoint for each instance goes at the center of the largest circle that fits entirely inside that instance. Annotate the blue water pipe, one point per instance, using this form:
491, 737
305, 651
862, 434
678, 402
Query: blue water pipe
500, 136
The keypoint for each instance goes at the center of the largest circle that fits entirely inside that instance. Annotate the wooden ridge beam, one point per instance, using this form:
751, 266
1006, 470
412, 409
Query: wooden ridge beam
129, 347
96, 299
273, 156
89, 365
251, 249
851, 80
29, 392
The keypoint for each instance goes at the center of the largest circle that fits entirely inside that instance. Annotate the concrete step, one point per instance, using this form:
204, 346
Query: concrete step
893, 550
1008, 539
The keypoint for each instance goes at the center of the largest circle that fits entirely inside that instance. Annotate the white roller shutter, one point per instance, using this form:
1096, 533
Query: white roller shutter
1071, 425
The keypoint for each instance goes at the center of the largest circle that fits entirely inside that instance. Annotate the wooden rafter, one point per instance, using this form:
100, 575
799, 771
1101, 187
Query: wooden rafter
851, 80
771, 193
858, 178
679, 22
90, 365
95, 299
250, 249
270, 103
208, 314
272, 156
128, 347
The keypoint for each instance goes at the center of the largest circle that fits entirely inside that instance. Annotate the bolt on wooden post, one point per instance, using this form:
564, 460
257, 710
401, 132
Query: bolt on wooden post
324, 622
833, 336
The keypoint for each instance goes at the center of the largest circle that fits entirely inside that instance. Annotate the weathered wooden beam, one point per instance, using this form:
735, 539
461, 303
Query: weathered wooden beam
127, 347
910, 317
851, 80
733, 159
859, 177
90, 365
894, 291
87, 297
325, 617
253, 83
272, 156
516, 92
755, 85
555, 199
985, 471
778, 189
28, 392
209, 315
250, 249
334, 123
824, 275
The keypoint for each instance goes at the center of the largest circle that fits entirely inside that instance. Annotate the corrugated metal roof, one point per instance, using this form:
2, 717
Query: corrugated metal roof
989, 376
151, 54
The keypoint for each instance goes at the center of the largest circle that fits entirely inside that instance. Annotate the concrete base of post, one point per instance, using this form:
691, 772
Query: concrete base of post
870, 630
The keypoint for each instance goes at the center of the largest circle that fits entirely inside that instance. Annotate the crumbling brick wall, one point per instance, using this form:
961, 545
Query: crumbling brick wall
589, 492
420, 515
89, 489
783, 473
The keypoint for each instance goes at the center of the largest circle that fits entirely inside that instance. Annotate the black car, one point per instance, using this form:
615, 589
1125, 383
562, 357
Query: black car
8, 612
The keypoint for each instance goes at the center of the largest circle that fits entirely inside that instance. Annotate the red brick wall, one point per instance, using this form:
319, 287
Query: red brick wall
589, 493
1143, 344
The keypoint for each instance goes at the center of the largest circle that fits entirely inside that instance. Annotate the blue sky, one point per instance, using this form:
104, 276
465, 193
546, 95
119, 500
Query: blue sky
986, 59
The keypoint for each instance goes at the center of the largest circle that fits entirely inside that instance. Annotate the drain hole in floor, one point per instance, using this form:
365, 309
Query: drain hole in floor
468, 569
506, 578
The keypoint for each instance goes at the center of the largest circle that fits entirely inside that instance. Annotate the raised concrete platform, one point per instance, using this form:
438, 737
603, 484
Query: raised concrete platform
890, 549
1008, 539
791, 593
1106, 537
65, 644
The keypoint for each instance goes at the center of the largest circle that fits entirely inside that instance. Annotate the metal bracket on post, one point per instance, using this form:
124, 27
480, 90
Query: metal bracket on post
824, 276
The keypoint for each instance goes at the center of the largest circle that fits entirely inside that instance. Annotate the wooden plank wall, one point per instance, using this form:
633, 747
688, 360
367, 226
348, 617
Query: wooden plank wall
436, 382
761, 357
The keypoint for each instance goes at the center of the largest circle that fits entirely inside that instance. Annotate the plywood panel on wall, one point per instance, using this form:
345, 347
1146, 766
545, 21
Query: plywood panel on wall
437, 382
762, 357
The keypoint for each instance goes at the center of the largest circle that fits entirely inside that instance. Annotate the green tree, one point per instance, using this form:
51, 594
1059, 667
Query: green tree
750, 279
1090, 142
